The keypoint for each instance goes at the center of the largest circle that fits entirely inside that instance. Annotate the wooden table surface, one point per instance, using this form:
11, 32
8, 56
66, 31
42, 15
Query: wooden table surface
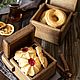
70, 47
2, 77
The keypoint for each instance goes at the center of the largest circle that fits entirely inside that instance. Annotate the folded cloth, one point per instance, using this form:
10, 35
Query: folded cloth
28, 4
23, 4
5, 70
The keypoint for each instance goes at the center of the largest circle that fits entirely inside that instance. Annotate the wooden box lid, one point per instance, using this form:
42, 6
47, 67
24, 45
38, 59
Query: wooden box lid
68, 4
19, 39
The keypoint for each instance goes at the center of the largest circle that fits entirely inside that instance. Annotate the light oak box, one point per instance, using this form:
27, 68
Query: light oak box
47, 33
22, 38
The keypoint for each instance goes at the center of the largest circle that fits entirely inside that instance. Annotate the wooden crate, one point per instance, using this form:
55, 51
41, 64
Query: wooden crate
47, 33
22, 38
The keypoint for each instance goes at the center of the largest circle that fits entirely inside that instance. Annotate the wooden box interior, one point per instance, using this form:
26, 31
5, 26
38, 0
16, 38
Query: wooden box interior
46, 7
53, 35
22, 38
17, 40
42, 75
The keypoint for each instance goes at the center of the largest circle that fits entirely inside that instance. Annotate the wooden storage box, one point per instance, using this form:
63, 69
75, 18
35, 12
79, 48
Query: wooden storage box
45, 32
21, 38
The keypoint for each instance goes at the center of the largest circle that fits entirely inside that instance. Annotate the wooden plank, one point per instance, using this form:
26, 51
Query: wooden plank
57, 7
71, 4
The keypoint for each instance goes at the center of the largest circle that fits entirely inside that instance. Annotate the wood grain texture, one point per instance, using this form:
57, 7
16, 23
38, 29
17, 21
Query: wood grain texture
7, 62
2, 77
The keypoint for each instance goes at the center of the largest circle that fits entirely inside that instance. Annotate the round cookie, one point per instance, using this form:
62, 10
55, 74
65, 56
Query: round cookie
2, 24
55, 18
8, 30
42, 59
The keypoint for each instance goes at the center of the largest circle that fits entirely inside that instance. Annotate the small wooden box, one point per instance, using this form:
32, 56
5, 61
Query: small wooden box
22, 38
47, 33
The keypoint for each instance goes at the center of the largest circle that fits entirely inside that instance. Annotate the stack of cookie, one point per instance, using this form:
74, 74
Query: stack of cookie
30, 60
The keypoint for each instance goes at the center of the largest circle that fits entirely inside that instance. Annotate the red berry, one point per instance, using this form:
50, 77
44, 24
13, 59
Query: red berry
25, 49
31, 61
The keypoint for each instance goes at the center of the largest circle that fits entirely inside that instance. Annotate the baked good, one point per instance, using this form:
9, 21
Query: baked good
18, 55
28, 52
55, 18
2, 24
7, 30
28, 61
42, 58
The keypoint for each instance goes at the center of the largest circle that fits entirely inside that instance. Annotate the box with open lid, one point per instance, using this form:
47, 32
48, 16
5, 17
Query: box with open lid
20, 56
48, 23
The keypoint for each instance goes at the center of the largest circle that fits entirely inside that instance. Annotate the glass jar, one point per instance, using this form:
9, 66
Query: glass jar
15, 16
